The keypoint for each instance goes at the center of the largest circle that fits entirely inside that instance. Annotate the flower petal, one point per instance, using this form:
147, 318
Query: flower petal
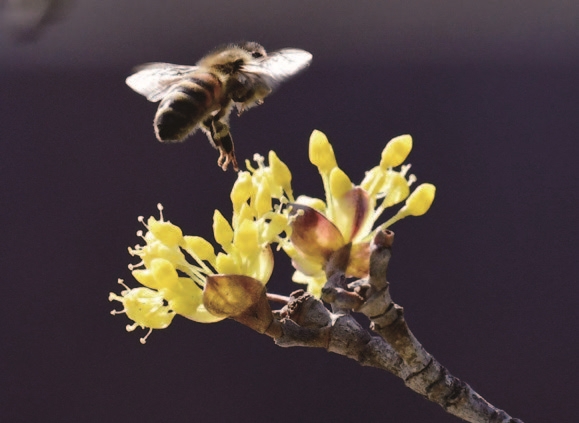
261, 268
351, 212
314, 203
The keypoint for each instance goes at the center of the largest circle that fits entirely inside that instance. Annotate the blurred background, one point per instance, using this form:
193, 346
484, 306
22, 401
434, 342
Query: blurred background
488, 277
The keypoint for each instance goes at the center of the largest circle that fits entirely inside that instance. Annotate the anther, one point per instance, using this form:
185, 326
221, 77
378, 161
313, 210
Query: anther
144, 338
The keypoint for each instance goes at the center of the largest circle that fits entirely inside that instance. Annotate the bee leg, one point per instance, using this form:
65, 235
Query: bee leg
227, 154
223, 141
207, 127
242, 107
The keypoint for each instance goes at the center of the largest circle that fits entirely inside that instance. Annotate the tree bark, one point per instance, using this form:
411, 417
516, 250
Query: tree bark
306, 322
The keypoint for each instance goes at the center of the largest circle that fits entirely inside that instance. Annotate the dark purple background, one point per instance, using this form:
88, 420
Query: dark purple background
488, 277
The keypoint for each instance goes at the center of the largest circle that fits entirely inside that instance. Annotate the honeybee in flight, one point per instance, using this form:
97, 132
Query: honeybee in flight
202, 96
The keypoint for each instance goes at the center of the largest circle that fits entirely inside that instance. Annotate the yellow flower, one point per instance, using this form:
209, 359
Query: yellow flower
146, 307
174, 268
349, 212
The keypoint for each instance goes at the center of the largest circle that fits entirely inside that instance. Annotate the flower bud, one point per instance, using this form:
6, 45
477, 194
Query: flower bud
321, 152
396, 151
227, 265
246, 238
417, 204
222, 230
340, 184
200, 247
244, 213
280, 172
145, 277
164, 273
166, 232
262, 203
420, 200
242, 189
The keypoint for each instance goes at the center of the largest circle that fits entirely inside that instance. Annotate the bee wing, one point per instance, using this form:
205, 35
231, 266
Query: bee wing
279, 65
154, 80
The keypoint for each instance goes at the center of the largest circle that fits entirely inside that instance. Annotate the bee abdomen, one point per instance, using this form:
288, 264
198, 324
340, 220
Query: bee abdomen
183, 109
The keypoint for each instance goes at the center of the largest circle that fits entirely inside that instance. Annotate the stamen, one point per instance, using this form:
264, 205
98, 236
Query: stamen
122, 282
132, 266
259, 159
196, 274
160, 208
248, 166
144, 338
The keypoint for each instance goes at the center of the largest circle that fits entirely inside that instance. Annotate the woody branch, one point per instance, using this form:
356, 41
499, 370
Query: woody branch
306, 322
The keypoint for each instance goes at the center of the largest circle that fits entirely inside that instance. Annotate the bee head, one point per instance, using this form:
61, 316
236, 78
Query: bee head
256, 50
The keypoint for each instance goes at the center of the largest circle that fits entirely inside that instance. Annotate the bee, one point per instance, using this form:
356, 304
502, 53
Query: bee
203, 96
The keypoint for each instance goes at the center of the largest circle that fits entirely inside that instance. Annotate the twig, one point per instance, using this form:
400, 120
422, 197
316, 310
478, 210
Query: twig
423, 373
304, 321
276, 298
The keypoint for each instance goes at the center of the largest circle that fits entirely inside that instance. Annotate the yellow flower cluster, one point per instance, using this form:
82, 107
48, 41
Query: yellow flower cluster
256, 222
183, 275
174, 268
349, 212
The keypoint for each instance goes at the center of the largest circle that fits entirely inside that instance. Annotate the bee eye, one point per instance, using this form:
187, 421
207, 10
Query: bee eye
256, 54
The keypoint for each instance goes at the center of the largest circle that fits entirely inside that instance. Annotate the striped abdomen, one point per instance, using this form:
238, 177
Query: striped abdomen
186, 105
